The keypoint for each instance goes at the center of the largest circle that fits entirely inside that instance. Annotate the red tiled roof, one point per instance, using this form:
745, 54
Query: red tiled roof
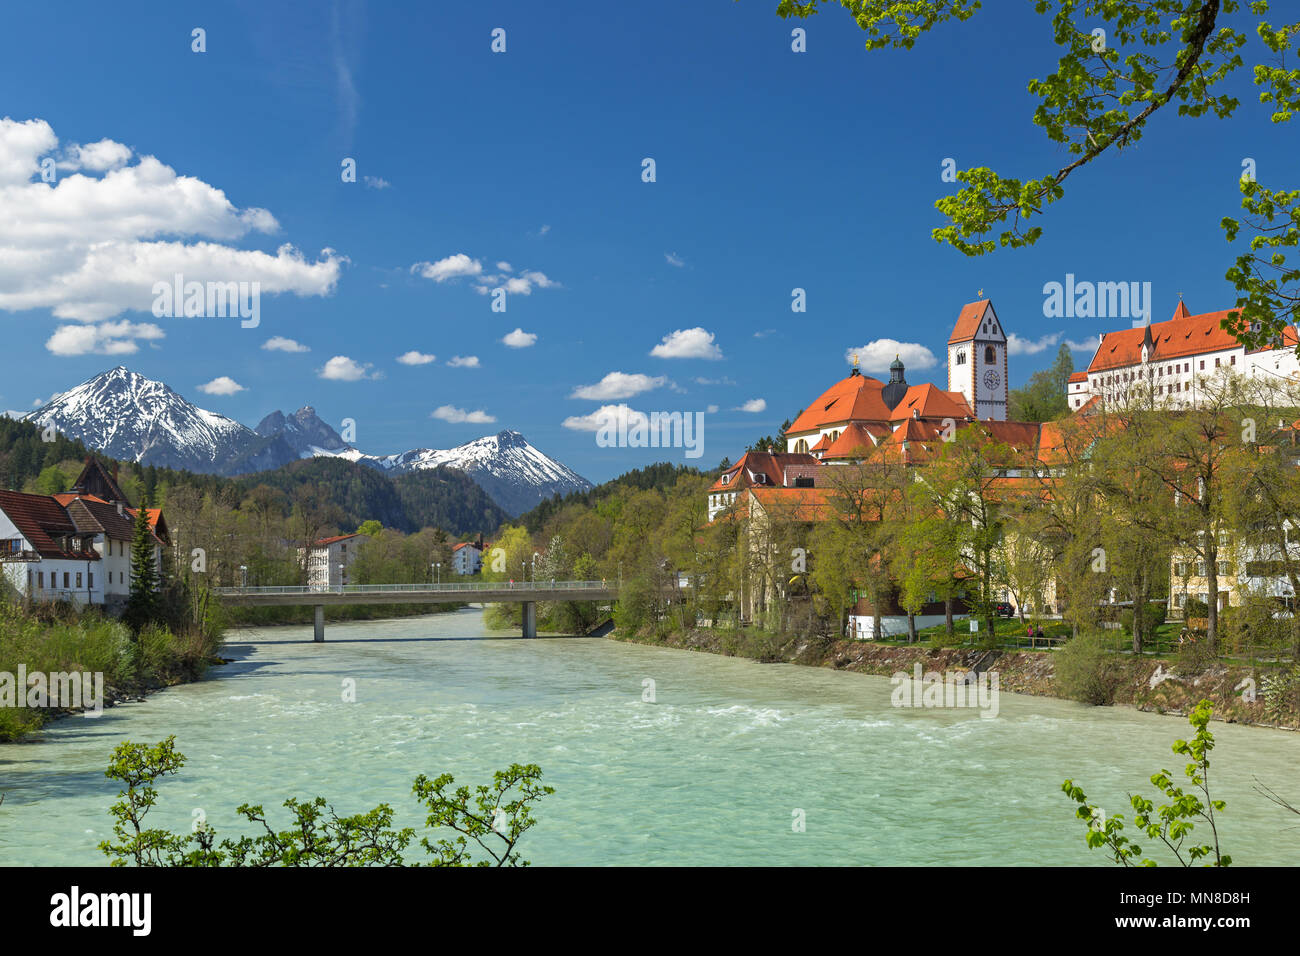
326, 542
856, 441
752, 463
1179, 337
930, 401
855, 398
794, 504
41, 520
1078, 377
968, 321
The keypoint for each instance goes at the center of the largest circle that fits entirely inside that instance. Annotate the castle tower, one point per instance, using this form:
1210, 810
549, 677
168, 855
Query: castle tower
977, 360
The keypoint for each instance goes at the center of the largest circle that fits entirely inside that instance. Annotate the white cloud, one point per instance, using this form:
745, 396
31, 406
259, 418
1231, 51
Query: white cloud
544, 230
521, 284
457, 416
687, 343
376, 182
463, 361
221, 385
711, 409
108, 338
88, 247
1016, 345
416, 358
876, 356
452, 267
674, 260
699, 380
754, 405
763, 333
461, 265
519, 339
343, 369
618, 385
611, 414
97, 157
278, 343
1087, 345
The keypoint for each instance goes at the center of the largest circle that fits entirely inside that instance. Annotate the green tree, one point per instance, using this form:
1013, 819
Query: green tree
494, 817
1171, 823
1043, 398
142, 600
1153, 54
370, 528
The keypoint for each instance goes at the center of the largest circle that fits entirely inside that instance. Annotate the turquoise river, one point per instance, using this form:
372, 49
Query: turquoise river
714, 771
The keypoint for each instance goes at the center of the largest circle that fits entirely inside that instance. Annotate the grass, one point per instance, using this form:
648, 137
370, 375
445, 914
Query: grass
65, 639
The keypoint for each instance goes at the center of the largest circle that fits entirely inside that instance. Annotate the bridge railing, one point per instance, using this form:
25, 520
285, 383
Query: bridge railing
464, 587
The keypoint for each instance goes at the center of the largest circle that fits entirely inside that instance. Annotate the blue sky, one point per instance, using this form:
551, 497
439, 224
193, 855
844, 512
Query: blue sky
775, 170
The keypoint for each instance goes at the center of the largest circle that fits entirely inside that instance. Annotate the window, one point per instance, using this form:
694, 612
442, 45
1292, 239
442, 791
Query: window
78, 579
961, 356
65, 579
40, 580
1217, 362
1233, 360
801, 446
90, 579
990, 354
1202, 365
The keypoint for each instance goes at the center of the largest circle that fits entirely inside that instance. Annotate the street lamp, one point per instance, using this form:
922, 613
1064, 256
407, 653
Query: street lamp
534, 567
438, 566
340, 577
243, 575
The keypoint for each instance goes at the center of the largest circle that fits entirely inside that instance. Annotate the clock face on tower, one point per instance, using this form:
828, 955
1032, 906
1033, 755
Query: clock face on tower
991, 379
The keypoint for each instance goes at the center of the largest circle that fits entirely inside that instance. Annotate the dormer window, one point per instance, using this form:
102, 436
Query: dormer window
726, 479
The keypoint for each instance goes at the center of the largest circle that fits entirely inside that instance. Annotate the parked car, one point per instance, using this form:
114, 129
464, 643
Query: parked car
1003, 609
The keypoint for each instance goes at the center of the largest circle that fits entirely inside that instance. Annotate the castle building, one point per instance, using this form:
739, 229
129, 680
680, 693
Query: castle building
1170, 361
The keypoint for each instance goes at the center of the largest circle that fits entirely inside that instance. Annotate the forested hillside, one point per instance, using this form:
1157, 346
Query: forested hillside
441, 498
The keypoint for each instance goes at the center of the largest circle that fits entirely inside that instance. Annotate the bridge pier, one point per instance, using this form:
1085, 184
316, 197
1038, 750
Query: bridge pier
319, 621
530, 619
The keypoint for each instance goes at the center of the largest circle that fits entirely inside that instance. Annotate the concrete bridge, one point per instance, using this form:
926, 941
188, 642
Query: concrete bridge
527, 593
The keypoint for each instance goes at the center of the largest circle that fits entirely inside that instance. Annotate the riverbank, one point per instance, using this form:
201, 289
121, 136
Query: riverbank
45, 653
1156, 686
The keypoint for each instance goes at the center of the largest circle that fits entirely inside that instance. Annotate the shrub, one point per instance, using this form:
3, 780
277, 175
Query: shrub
1087, 669
1153, 615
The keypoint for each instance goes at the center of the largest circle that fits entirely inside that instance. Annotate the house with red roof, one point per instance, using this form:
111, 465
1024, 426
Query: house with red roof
467, 556
327, 561
1170, 361
74, 546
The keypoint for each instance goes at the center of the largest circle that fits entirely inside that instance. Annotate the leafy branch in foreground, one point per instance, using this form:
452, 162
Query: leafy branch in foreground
1122, 61
1171, 823
318, 836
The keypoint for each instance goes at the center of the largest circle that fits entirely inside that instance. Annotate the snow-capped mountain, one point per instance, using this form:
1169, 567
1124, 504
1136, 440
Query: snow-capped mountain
127, 416
304, 432
515, 473
123, 414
